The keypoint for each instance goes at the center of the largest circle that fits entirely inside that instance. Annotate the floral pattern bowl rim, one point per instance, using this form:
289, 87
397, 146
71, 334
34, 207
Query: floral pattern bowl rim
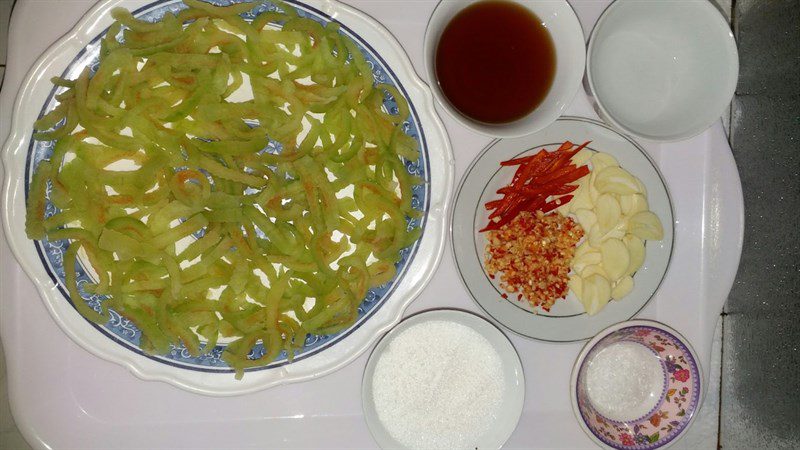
693, 405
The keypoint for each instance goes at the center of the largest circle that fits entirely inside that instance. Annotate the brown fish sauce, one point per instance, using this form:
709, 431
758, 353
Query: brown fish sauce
495, 61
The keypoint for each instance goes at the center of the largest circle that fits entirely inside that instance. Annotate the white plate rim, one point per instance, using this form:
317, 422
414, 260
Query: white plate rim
454, 211
419, 273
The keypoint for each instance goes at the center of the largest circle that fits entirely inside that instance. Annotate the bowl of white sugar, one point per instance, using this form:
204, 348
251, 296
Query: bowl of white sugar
637, 384
443, 379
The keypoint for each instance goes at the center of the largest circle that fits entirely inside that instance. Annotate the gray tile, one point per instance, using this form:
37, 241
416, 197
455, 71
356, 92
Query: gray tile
767, 32
766, 134
5, 14
760, 389
761, 383
725, 7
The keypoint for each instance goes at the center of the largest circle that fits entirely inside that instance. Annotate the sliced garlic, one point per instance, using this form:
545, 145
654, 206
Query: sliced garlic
632, 204
584, 247
618, 232
582, 157
616, 180
615, 258
622, 288
575, 284
596, 292
645, 225
594, 236
586, 218
579, 263
636, 252
640, 185
594, 269
593, 192
580, 199
608, 212
602, 160
610, 204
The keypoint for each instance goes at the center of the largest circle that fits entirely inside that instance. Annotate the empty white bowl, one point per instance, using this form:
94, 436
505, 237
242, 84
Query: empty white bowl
565, 29
661, 70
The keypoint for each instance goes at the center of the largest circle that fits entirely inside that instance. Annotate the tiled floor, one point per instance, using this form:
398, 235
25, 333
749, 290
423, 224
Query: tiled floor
761, 357
5, 14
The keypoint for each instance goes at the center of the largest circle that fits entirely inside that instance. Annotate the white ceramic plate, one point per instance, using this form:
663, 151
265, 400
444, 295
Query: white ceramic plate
117, 340
513, 397
566, 321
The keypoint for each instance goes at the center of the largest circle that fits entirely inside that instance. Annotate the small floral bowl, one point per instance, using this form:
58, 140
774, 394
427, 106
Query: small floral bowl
671, 414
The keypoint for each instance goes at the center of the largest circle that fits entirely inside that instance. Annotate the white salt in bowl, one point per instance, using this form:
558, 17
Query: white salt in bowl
513, 380
637, 384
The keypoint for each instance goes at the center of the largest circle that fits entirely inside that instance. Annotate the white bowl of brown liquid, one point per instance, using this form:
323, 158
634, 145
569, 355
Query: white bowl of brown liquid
504, 68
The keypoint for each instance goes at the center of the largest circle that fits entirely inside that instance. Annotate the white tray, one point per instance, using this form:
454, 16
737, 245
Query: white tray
53, 383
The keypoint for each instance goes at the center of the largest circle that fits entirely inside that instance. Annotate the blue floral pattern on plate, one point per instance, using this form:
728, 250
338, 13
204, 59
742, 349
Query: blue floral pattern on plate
122, 330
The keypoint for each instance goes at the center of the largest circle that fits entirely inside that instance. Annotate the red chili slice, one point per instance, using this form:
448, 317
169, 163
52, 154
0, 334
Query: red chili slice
537, 177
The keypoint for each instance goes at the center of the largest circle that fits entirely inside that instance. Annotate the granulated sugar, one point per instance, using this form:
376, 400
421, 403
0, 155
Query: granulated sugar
624, 381
438, 385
